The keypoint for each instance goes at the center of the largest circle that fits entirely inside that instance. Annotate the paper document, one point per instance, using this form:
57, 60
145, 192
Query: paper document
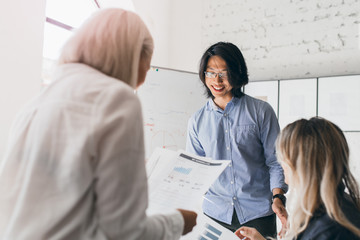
179, 180
207, 229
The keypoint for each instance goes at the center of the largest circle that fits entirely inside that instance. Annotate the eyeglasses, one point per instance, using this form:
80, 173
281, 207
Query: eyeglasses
222, 75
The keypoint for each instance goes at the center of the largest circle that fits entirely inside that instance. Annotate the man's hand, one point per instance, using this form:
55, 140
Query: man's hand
248, 233
280, 211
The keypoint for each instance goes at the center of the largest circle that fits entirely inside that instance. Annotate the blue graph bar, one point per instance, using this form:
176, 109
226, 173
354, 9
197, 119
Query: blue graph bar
182, 170
213, 233
213, 229
210, 235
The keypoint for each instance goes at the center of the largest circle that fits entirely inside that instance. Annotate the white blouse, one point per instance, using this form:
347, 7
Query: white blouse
74, 165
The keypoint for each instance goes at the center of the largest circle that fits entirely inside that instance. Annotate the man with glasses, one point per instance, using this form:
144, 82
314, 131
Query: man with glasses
234, 126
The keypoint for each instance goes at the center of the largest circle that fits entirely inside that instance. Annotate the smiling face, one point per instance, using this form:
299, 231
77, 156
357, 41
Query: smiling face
219, 87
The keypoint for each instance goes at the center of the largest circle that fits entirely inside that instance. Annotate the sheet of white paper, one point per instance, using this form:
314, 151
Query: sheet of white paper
179, 180
207, 229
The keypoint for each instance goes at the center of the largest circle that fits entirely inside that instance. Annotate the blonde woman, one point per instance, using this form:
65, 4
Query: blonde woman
74, 165
324, 194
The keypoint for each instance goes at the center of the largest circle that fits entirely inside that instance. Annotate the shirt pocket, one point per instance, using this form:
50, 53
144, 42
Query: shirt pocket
246, 135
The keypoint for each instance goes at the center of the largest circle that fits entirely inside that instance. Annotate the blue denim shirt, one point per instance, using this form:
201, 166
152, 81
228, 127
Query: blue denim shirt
245, 133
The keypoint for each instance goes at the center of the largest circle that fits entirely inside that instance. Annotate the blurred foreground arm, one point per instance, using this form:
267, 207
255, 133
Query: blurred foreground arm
121, 183
189, 220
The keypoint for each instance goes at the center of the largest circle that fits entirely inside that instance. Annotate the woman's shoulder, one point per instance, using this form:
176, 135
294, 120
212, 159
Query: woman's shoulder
83, 75
350, 210
89, 84
322, 227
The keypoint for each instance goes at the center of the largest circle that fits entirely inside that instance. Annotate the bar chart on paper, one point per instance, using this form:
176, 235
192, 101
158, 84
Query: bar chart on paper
210, 232
178, 180
179, 176
184, 177
182, 170
207, 229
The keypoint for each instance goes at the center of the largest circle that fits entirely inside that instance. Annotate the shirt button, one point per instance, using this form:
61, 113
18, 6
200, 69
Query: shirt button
225, 114
232, 203
227, 148
232, 182
234, 198
230, 164
226, 131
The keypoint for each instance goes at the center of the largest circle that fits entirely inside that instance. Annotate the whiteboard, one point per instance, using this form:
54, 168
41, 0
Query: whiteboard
168, 99
353, 139
339, 101
297, 100
264, 90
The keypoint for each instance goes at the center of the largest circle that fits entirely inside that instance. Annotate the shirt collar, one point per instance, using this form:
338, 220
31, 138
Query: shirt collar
212, 106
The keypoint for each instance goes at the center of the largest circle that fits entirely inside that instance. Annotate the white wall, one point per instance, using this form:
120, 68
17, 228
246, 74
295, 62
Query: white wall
289, 39
175, 26
185, 35
284, 39
21, 27
156, 14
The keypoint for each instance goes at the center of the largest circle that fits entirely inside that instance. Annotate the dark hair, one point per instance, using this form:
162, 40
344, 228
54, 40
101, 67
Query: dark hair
236, 66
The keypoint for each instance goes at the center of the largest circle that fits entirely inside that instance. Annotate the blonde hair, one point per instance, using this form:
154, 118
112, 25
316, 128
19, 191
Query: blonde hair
112, 41
317, 155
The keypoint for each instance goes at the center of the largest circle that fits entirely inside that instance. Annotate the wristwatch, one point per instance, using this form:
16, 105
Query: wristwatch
281, 197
